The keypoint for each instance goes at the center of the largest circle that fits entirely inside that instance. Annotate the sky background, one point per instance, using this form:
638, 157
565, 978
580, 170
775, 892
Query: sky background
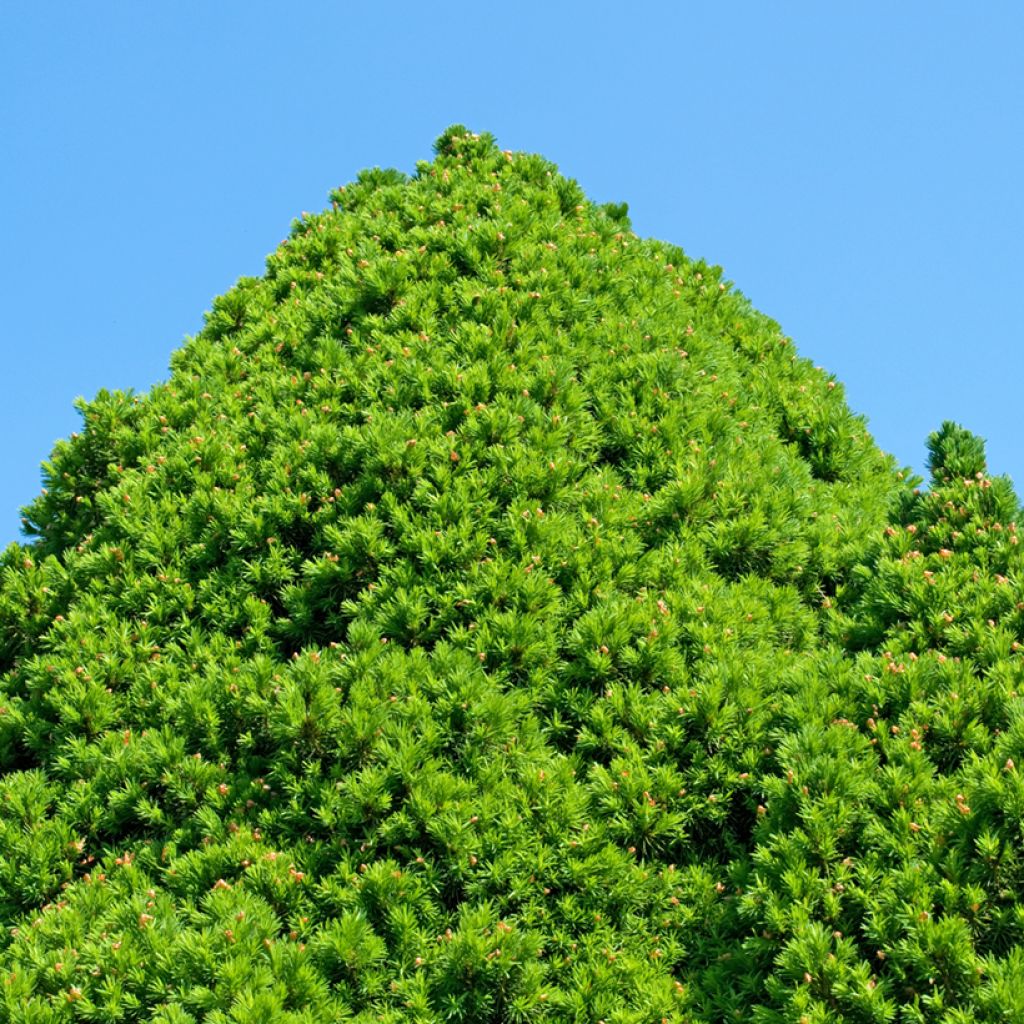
856, 169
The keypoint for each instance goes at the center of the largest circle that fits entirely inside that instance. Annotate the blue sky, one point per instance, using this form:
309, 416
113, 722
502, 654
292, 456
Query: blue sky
856, 169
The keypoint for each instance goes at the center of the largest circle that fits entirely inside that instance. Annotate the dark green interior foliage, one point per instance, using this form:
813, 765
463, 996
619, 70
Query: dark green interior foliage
492, 619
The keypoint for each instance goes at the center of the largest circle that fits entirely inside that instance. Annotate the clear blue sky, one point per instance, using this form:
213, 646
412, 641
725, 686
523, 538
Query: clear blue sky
857, 170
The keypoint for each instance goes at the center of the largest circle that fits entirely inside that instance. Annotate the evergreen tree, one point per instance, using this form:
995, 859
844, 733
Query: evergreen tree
492, 619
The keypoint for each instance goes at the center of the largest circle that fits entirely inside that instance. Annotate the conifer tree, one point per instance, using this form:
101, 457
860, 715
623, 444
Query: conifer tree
493, 619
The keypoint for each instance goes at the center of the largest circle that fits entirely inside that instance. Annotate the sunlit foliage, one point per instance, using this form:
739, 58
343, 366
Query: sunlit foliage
493, 619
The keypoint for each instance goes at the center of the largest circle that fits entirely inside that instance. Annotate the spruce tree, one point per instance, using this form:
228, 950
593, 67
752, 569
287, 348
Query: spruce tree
493, 619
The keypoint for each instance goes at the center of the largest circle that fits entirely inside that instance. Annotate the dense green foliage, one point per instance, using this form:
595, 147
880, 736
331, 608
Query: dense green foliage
492, 619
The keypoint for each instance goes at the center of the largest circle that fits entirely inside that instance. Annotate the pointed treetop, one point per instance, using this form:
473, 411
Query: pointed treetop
954, 451
458, 138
